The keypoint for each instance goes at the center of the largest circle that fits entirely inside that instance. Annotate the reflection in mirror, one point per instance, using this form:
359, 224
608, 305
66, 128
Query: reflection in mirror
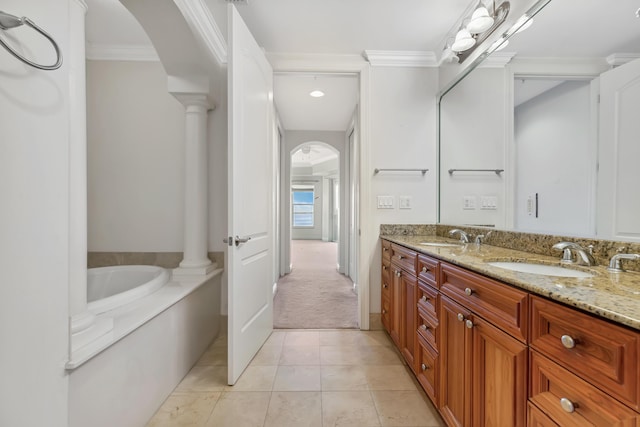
569, 160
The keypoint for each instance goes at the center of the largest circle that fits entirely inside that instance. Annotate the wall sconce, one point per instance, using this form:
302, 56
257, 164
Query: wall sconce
480, 25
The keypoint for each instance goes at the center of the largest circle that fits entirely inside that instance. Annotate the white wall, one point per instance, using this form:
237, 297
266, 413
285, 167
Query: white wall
135, 134
403, 135
36, 128
552, 132
473, 137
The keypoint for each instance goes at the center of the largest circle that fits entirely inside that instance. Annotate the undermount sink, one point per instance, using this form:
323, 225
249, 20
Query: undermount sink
441, 245
543, 269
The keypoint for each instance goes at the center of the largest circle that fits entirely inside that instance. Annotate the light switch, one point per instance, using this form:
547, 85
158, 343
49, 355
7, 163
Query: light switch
385, 202
489, 203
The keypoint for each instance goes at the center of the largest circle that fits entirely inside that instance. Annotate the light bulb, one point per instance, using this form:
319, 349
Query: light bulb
480, 22
463, 41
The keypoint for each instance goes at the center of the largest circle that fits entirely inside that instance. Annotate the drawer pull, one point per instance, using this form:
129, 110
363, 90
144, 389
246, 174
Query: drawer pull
425, 269
460, 317
468, 291
424, 367
384, 285
424, 298
384, 311
567, 341
384, 268
423, 327
469, 324
385, 249
398, 273
400, 257
568, 405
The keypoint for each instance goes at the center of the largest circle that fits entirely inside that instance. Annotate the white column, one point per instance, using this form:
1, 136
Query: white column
83, 326
195, 259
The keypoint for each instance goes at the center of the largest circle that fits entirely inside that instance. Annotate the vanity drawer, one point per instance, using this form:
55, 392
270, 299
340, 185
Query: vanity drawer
428, 328
537, 418
386, 278
427, 369
504, 306
605, 353
427, 299
386, 250
570, 401
428, 270
405, 258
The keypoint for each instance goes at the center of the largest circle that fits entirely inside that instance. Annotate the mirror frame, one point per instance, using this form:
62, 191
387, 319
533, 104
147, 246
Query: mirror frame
533, 11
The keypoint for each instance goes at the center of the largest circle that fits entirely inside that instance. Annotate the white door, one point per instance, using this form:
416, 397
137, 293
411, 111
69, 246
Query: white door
250, 199
619, 151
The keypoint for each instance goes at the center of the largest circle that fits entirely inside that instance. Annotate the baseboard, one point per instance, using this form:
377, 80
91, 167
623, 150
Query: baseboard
375, 322
355, 288
275, 289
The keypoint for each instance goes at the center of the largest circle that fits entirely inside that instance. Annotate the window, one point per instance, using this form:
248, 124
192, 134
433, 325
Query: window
302, 207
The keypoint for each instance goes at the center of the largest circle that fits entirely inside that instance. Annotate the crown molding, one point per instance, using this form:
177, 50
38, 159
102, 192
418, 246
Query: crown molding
497, 60
302, 62
618, 59
204, 28
120, 52
391, 58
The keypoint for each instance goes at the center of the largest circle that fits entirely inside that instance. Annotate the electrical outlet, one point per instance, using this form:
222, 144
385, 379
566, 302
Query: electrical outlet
385, 202
404, 202
469, 202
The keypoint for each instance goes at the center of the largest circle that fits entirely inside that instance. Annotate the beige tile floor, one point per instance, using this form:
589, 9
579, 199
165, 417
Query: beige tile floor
303, 379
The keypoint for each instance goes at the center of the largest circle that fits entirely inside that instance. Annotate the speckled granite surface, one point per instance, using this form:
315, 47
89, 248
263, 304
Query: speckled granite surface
614, 296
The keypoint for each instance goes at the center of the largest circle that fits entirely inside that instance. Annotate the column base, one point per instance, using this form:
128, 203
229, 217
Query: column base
188, 270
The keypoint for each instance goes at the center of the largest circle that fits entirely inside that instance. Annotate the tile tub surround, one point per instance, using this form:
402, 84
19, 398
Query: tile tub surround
359, 379
614, 296
159, 259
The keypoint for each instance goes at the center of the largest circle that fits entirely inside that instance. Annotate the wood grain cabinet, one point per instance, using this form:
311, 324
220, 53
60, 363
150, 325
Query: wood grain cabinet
491, 355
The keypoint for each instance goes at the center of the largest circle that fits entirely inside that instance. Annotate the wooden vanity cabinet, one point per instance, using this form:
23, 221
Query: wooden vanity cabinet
483, 350
404, 310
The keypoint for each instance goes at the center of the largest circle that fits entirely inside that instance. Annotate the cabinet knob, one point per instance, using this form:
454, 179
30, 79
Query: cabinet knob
424, 298
567, 405
425, 269
384, 311
400, 257
424, 367
469, 324
384, 268
568, 341
398, 274
468, 291
423, 327
385, 249
460, 317
384, 285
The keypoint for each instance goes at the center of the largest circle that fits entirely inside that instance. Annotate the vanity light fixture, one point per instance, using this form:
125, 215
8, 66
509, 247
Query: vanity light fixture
481, 21
316, 93
464, 41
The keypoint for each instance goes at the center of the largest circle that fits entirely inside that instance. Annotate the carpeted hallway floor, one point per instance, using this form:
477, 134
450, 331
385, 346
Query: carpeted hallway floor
314, 295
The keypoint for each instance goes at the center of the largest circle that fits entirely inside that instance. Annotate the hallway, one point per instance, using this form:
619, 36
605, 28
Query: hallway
314, 295
303, 379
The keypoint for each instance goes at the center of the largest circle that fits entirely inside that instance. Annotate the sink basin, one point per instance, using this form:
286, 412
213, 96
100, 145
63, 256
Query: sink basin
441, 245
545, 270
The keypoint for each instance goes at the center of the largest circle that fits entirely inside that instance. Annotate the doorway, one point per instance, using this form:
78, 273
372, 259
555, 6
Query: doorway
316, 195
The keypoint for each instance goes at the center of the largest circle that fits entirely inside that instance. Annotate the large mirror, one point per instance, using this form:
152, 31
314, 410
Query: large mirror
543, 136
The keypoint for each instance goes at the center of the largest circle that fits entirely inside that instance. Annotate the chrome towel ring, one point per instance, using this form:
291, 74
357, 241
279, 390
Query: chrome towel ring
8, 22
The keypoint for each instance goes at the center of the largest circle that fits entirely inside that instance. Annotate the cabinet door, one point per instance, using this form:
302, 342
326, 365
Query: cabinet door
499, 381
427, 372
395, 315
455, 364
409, 318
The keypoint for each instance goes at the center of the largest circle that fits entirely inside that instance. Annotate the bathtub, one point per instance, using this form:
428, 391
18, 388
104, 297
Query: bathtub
112, 287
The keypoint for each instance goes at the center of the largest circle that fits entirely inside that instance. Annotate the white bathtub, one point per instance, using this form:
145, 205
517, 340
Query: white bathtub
112, 287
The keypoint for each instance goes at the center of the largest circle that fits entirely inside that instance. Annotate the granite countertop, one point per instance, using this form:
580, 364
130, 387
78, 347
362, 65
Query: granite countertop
614, 296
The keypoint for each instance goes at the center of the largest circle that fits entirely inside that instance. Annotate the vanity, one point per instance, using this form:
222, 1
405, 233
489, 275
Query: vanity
501, 347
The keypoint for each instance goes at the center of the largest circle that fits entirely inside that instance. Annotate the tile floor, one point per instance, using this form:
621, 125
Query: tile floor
303, 379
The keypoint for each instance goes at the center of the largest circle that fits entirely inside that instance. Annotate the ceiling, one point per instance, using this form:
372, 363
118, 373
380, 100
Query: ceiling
314, 154
565, 28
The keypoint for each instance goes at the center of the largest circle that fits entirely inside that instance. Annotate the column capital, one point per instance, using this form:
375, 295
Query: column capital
193, 99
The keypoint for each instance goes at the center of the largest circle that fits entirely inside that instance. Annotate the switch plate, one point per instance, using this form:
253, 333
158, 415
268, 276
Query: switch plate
404, 202
489, 203
385, 202
469, 202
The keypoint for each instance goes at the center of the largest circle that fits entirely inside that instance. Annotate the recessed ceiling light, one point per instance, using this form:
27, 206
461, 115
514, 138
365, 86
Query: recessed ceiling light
316, 93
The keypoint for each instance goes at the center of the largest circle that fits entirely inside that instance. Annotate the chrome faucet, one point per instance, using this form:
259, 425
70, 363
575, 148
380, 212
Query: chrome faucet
615, 263
464, 237
582, 256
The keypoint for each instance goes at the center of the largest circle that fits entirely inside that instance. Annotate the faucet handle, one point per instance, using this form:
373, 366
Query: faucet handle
565, 247
478, 239
615, 263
